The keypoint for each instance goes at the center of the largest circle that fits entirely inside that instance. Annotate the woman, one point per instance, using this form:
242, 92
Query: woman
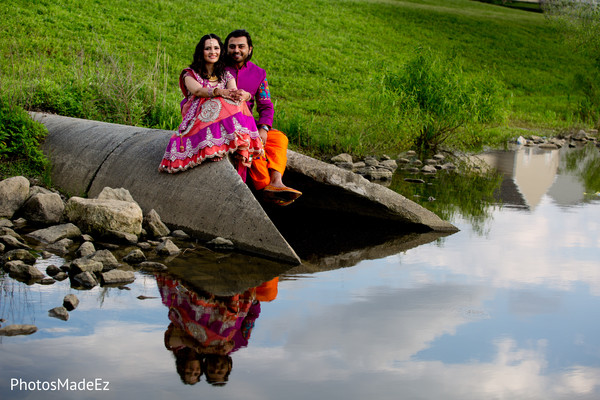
216, 120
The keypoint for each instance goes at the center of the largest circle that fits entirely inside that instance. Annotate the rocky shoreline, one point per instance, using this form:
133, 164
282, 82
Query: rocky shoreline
383, 169
36, 223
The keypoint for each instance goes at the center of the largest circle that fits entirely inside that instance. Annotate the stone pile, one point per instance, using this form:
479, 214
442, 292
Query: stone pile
36, 222
571, 140
384, 168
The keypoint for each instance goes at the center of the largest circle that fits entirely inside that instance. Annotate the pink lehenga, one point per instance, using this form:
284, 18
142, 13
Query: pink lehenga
210, 129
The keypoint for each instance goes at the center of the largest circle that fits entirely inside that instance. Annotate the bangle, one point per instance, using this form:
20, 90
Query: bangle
212, 92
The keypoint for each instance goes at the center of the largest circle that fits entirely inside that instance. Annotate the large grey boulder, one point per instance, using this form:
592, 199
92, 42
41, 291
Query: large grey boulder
45, 208
13, 194
100, 216
55, 233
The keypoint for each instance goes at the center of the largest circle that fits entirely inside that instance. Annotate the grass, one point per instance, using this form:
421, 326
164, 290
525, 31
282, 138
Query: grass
119, 61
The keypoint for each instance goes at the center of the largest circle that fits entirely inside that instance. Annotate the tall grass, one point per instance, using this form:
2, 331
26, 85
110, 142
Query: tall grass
119, 61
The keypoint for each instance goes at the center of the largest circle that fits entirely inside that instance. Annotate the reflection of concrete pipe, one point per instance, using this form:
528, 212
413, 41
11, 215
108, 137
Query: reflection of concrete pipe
211, 200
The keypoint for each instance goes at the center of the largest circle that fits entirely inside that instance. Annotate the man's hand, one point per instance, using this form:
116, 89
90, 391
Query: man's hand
241, 95
263, 135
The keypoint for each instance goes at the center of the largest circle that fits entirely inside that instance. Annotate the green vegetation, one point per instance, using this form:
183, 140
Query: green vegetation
20, 137
436, 98
580, 23
329, 64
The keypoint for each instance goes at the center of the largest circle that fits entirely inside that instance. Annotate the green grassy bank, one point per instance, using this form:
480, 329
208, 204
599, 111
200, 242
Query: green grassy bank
119, 60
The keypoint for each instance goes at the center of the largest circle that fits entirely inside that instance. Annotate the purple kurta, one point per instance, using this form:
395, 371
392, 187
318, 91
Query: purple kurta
253, 79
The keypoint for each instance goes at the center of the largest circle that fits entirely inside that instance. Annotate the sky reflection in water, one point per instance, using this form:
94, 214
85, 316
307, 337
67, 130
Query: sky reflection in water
512, 313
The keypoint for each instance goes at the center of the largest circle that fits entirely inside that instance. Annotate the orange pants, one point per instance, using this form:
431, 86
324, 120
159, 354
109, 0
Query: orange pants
275, 157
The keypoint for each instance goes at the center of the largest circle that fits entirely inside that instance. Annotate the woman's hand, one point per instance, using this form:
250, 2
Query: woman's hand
241, 95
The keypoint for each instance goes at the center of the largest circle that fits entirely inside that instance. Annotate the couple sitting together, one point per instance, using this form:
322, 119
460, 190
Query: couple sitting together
220, 88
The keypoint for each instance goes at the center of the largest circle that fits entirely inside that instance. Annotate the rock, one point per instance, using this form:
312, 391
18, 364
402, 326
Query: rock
580, 136
358, 165
61, 276
2, 247
429, 169
121, 194
221, 244
154, 226
180, 234
342, 158
10, 232
45, 208
20, 222
134, 257
13, 194
385, 157
59, 312
167, 248
17, 329
417, 163
108, 260
403, 161
151, 266
120, 237
52, 270
6, 223
61, 247
70, 302
412, 169
86, 279
371, 162
86, 249
19, 270
448, 166
414, 180
56, 233
411, 153
144, 245
87, 238
85, 264
100, 216
431, 161
47, 281
389, 165
439, 157
117, 276
11, 242
19, 254
548, 146
345, 165
33, 190
46, 255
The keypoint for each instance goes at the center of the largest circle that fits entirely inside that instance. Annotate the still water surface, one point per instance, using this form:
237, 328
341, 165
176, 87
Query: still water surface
507, 308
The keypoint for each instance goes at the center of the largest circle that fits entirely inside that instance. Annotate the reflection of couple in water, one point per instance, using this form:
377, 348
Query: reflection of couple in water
205, 329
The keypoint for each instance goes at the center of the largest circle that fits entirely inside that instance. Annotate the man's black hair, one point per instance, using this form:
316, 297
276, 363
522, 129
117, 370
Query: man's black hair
236, 34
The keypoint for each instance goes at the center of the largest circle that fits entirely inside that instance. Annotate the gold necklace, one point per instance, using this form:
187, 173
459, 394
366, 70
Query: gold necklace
212, 78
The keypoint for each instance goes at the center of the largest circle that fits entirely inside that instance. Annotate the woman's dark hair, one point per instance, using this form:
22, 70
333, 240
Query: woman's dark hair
199, 64
236, 34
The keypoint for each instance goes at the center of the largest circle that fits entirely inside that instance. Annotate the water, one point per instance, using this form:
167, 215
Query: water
507, 308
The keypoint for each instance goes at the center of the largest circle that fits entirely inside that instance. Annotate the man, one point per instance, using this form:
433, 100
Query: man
267, 171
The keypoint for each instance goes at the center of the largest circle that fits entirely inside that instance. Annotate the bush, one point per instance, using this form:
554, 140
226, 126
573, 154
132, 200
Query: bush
20, 136
437, 98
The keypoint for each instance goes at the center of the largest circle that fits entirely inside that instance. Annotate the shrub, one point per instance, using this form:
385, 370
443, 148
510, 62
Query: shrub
20, 136
437, 98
